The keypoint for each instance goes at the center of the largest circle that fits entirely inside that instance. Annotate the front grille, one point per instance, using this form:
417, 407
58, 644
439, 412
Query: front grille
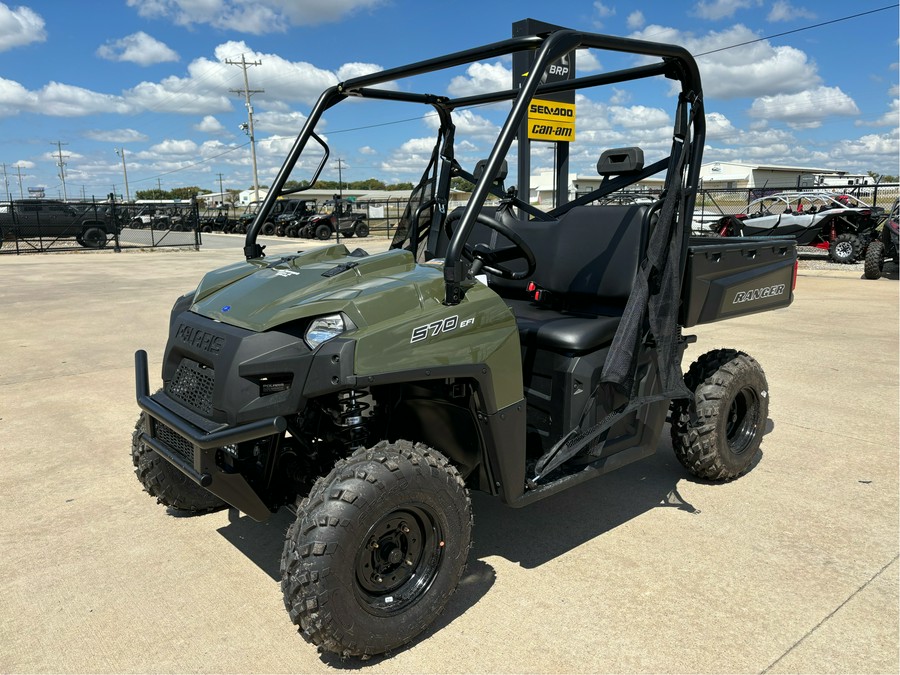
174, 441
192, 385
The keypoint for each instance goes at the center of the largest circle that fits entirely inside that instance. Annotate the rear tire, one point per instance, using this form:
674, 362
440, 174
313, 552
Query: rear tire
377, 549
874, 260
362, 230
845, 248
268, 229
717, 435
93, 237
163, 481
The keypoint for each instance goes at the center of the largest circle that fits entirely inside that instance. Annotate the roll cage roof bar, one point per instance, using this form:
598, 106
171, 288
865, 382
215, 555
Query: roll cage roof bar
675, 63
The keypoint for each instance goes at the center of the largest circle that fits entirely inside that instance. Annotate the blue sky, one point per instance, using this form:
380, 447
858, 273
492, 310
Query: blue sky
149, 77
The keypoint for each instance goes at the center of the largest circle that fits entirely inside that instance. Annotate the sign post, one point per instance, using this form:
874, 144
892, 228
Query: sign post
551, 117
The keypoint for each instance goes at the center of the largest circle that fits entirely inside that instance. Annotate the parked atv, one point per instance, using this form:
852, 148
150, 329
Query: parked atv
502, 349
837, 223
335, 215
885, 247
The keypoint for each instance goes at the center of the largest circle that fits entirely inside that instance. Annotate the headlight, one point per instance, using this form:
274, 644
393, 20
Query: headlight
323, 329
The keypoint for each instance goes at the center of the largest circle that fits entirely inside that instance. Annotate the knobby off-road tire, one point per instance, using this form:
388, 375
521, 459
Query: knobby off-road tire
163, 481
361, 230
845, 248
874, 264
377, 549
323, 232
717, 435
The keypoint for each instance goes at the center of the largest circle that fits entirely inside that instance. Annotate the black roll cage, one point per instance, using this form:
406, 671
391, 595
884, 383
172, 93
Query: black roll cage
674, 63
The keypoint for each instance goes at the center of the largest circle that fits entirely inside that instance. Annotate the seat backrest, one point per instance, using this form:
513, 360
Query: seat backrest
587, 258
597, 252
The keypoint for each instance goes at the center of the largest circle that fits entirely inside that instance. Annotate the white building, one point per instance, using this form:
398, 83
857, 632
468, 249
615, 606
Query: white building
740, 176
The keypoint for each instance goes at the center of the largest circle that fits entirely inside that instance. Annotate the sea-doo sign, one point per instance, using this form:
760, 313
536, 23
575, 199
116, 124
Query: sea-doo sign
551, 121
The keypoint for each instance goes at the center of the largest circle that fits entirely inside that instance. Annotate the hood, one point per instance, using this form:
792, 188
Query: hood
261, 294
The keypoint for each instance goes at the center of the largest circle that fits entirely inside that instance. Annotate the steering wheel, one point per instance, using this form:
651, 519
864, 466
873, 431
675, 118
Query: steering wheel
490, 259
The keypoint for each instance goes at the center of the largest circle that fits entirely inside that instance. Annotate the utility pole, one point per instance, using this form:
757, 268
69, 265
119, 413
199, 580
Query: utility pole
19, 171
246, 91
6, 181
121, 153
62, 168
221, 191
159, 185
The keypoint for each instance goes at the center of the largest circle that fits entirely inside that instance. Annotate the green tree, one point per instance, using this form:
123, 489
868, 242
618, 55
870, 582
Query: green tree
461, 184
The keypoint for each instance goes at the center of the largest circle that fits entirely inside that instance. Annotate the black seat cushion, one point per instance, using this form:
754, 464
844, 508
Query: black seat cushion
567, 331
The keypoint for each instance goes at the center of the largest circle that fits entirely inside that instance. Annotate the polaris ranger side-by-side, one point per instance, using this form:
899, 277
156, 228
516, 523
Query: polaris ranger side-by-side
500, 348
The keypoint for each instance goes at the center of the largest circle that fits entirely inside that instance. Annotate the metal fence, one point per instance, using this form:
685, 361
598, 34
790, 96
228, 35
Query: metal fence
48, 226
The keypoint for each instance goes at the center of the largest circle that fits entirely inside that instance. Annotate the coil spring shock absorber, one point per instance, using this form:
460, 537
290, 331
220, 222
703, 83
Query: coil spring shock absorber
350, 416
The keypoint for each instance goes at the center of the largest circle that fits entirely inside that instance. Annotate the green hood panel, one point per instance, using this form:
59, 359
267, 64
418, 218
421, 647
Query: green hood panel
396, 305
261, 294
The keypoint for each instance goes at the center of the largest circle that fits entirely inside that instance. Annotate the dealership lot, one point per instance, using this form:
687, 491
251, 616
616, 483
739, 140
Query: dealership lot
792, 568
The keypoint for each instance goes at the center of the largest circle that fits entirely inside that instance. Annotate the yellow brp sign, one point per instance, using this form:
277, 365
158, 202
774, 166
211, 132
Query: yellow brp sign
551, 120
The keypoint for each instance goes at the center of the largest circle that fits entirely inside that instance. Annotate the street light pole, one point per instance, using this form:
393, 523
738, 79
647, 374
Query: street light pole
121, 153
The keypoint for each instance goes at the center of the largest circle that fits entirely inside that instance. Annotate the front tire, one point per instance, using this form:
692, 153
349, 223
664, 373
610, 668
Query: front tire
845, 248
377, 549
874, 264
717, 435
323, 232
163, 481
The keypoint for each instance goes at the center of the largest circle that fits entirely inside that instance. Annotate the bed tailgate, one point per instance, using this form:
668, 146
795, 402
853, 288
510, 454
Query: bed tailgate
736, 276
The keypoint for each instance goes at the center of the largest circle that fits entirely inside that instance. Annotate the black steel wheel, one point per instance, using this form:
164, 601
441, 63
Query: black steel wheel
845, 248
717, 435
163, 481
377, 549
874, 264
323, 232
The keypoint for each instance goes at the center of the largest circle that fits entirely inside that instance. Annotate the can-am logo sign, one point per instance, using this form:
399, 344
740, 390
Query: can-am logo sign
758, 293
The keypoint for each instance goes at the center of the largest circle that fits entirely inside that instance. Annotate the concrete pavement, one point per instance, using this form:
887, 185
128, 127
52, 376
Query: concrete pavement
792, 568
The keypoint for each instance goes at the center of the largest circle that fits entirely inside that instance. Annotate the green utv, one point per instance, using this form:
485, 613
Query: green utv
498, 347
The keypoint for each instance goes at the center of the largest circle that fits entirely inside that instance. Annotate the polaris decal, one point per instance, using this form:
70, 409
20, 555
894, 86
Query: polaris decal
758, 293
437, 327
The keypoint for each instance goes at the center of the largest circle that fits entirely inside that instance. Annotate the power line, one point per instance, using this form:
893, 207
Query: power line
798, 30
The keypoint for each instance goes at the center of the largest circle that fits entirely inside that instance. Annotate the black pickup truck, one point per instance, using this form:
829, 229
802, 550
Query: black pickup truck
90, 225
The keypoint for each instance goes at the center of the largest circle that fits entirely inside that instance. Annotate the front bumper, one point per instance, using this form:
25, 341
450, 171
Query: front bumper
198, 461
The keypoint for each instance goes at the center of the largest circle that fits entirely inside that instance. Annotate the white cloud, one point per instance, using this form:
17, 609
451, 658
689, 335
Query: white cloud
603, 12
137, 48
587, 62
24, 164
891, 118
351, 70
19, 27
116, 135
210, 125
481, 78
366, 150
752, 70
289, 122
719, 127
784, 11
806, 109
715, 10
636, 20
251, 16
